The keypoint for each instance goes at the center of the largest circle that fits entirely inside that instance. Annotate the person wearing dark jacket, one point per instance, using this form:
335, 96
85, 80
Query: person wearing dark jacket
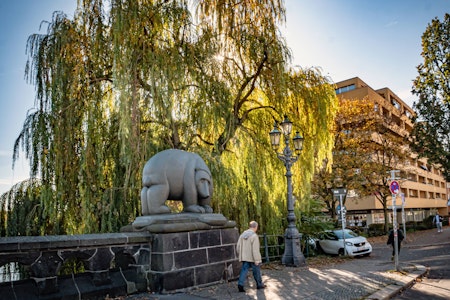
390, 240
248, 250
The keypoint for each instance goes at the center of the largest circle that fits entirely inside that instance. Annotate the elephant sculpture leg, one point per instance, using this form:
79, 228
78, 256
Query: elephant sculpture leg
194, 208
153, 199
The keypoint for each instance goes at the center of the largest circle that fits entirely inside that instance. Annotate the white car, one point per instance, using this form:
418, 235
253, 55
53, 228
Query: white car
332, 242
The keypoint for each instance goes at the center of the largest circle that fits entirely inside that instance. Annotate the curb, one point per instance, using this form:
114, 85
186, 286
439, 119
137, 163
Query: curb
403, 281
406, 245
425, 245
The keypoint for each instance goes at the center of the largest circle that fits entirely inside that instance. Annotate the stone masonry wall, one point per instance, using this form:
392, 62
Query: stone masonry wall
187, 259
118, 264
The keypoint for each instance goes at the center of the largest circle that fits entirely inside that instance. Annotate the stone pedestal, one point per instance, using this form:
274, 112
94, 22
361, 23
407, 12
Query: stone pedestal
182, 260
166, 223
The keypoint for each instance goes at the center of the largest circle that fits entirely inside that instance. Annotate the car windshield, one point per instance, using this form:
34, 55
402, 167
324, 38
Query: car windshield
348, 234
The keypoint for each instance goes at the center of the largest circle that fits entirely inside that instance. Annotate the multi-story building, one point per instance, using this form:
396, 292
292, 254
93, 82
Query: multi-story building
423, 186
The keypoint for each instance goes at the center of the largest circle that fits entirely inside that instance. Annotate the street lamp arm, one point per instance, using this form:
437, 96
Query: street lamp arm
287, 160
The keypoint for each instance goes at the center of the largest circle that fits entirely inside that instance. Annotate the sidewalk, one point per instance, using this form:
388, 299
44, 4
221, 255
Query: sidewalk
371, 277
365, 278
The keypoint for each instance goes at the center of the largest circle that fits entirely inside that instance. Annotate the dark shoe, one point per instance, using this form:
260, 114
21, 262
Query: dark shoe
261, 287
241, 288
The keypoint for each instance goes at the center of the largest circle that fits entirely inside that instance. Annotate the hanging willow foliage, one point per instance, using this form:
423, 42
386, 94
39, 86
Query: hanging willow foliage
20, 210
126, 79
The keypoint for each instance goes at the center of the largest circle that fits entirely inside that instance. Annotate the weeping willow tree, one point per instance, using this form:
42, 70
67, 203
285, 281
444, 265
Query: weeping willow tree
126, 79
20, 210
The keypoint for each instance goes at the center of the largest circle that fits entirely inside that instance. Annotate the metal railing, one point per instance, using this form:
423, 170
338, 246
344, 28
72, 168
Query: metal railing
272, 247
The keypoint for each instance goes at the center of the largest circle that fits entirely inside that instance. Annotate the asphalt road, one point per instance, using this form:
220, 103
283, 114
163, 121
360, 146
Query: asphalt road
436, 257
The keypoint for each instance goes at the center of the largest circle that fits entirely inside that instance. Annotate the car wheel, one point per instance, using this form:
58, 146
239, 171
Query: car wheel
341, 252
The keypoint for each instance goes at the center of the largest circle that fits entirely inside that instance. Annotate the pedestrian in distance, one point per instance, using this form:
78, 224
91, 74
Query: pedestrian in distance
391, 240
438, 221
248, 250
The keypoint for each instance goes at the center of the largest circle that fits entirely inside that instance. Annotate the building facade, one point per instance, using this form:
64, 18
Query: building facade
423, 187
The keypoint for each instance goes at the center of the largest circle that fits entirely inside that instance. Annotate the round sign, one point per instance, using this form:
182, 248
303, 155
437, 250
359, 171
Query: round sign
394, 187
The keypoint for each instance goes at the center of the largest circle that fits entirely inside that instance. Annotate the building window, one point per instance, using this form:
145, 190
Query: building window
345, 89
408, 114
395, 103
424, 167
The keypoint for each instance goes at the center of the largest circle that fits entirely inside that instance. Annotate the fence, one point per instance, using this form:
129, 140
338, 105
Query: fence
272, 247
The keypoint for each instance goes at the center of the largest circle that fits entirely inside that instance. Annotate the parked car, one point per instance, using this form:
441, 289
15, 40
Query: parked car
332, 242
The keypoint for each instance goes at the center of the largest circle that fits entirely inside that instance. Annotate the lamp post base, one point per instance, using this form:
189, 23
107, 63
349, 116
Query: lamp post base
293, 256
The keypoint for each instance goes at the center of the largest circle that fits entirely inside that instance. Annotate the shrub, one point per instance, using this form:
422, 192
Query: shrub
376, 230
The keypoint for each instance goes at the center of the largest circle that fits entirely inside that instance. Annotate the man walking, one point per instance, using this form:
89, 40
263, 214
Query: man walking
438, 221
391, 241
248, 250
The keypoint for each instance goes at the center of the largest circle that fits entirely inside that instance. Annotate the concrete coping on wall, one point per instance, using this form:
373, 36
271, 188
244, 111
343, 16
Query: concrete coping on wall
57, 242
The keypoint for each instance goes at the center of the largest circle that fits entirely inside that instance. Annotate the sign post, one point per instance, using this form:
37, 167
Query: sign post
341, 193
394, 187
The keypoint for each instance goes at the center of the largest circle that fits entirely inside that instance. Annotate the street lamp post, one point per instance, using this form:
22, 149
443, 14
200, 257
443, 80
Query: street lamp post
293, 255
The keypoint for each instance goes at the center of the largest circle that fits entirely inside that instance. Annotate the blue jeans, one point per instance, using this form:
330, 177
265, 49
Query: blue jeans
256, 273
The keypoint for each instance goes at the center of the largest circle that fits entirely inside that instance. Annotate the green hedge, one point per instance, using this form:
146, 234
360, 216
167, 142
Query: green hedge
378, 229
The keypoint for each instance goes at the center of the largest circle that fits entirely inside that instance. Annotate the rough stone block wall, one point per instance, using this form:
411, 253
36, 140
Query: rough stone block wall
187, 259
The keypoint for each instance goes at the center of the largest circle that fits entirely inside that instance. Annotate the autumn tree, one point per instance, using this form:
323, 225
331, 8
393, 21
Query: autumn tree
431, 132
354, 120
386, 153
321, 188
124, 80
366, 148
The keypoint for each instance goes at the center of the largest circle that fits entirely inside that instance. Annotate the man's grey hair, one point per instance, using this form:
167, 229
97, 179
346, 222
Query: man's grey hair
253, 224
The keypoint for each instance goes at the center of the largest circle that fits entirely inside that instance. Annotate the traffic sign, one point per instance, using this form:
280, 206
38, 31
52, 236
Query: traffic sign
339, 208
394, 187
339, 192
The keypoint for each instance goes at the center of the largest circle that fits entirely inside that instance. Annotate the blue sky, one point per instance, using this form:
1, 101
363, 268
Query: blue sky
378, 41
18, 20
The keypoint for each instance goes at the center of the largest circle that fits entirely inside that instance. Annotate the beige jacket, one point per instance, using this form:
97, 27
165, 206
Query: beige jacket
248, 247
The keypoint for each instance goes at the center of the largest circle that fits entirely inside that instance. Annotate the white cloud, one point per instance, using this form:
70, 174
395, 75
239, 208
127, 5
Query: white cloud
7, 183
391, 24
5, 153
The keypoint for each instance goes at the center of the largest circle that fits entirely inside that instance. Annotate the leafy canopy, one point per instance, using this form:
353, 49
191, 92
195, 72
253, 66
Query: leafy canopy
365, 150
431, 130
125, 79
